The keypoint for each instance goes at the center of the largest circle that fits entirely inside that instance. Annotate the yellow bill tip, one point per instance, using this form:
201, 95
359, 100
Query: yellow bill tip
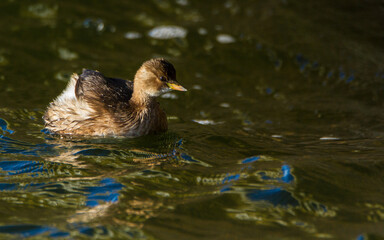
176, 87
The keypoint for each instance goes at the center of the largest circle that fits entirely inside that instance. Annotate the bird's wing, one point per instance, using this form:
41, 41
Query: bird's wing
96, 89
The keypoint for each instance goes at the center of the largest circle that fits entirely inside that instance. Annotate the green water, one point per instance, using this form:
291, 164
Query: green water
280, 135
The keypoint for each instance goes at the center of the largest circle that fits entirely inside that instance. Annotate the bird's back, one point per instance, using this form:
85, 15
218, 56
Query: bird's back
87, 103
96, 89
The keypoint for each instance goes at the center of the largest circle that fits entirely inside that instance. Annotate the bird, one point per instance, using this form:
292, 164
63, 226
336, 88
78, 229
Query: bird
95, 105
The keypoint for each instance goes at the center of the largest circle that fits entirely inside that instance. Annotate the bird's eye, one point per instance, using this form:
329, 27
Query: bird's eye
162, 78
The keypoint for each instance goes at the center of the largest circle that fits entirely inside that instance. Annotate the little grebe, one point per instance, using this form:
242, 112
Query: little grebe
93, 104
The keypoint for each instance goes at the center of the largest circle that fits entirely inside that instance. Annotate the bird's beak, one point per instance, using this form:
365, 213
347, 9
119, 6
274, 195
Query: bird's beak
176, 86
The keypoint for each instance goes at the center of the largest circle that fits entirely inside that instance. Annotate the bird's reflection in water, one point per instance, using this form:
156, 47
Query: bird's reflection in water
92, 176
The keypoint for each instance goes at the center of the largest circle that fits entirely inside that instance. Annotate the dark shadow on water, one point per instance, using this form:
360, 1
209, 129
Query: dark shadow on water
275, 196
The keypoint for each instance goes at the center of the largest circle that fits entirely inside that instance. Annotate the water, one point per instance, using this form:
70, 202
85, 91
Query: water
280, 135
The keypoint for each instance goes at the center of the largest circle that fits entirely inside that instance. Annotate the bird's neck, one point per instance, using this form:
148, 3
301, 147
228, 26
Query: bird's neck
141, 99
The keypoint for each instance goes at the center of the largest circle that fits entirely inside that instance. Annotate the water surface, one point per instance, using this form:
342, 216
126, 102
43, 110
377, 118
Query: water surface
280, 135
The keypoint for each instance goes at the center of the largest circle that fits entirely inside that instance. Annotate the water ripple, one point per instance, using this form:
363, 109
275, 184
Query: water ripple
20, 167
30, 230
107, 191
4, 126
251, 159
9, 145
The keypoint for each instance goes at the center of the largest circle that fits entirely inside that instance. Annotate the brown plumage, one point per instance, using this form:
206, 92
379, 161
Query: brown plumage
93, 104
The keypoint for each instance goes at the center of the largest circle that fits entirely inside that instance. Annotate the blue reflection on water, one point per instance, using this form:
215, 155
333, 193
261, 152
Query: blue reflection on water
96, 193
360, 237
103, 191
226, 188
350, 78
87, 231
30, 230
188, 158
20, 167
286, 172
179, 143
8, 145
230, 178
276, 196
251, 159
4, 126
107, 191
7, 186
183, 155
287, 176
269, 90
59, 234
